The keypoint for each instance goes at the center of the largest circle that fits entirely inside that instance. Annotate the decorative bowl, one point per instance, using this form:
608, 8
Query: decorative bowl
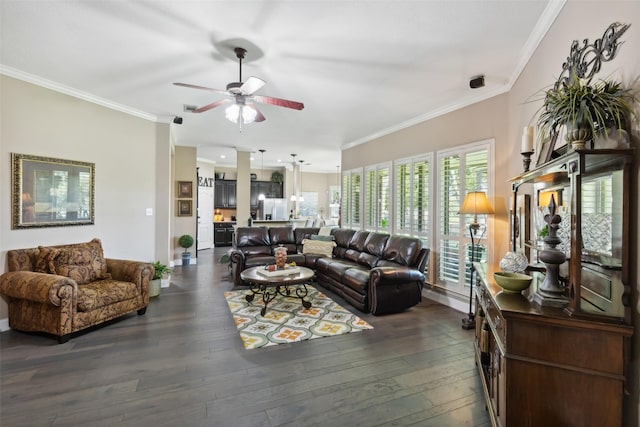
512, 283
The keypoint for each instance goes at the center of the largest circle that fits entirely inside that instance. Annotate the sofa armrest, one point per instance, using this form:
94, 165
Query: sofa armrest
394, 289
136, 272
238, 261
37, 287
394, 275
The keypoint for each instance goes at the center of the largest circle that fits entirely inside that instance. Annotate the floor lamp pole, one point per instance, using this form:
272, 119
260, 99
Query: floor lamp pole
474, 228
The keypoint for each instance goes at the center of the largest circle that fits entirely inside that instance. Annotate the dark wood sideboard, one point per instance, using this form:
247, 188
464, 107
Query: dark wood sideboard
542, 367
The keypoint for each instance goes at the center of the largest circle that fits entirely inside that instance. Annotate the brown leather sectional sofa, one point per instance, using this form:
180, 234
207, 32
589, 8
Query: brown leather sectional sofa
374, 272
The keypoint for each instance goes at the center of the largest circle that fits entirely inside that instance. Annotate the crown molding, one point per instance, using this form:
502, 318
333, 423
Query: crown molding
39, 81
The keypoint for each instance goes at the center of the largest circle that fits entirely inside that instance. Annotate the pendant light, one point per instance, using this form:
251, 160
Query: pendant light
293, 162
301, 199
262, 150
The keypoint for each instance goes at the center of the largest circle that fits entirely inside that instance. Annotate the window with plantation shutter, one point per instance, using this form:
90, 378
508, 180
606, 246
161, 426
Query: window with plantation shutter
461, 170
377, 198
412, 196
351, 194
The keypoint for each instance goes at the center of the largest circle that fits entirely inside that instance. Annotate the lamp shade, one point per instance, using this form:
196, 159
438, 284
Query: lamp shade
476, 203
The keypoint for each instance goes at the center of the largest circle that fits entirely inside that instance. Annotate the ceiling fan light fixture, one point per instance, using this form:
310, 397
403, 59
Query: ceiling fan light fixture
236, 112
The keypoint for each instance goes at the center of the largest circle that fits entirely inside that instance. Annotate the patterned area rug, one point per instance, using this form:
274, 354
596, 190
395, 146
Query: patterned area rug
286, 320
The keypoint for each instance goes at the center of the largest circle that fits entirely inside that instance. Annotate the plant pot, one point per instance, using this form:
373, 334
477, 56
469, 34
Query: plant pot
578, 137
186, 258
154, 288
165, 281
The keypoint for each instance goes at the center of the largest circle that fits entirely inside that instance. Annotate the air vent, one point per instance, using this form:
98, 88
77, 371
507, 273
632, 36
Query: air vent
189, 108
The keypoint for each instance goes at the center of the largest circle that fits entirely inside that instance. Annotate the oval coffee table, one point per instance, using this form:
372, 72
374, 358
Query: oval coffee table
267, 285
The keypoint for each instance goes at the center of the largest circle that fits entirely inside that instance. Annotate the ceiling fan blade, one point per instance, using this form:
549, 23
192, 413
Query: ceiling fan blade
200, 87
210, 106
279, 102
252, 85
259, 116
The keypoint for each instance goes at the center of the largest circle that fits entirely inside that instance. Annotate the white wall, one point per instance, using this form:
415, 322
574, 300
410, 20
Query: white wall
43, 122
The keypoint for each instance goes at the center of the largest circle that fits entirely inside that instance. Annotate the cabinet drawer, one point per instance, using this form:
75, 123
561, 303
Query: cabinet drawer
493, 315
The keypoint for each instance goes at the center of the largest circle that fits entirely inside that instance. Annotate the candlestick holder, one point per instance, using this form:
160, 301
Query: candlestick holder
526, 160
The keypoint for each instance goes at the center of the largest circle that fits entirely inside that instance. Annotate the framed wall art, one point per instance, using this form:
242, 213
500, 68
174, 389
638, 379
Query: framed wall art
545, 149
185, 189
49, 192
184, 208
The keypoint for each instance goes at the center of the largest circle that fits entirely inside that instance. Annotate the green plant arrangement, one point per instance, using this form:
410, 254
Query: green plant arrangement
585, 109
185, 241
160, 270
276, 177
226, 258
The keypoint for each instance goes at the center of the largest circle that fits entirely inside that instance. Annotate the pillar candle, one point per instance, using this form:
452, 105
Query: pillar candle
527, 139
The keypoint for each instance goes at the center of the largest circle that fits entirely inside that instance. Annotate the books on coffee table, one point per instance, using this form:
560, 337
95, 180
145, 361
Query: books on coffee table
286, 272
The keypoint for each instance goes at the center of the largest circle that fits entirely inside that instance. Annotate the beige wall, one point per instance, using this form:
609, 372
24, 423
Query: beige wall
475, 123
504, 117
319, 183
185, 164
43, 122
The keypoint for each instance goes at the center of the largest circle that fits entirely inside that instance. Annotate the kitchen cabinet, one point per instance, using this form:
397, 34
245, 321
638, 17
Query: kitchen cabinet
223, 233
224, 194
271, 190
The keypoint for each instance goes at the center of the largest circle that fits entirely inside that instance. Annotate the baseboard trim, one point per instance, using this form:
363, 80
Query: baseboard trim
446, 299
4, 325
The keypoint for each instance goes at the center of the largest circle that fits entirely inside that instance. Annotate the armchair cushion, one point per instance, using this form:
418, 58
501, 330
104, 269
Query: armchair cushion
103, 293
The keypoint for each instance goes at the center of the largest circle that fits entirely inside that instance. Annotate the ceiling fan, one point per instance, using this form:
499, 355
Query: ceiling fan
242, 97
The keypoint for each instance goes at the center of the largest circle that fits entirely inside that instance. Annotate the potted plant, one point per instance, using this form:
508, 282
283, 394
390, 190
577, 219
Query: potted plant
585, 109
163, 273
159, 271
226, 259
186, 241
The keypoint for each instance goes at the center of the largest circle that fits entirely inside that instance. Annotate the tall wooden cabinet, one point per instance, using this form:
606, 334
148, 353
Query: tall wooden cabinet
542, 367
564, 365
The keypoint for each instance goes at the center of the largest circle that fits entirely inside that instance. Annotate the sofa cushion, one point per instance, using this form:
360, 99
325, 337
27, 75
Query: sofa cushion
82, 262
104, 292
281, 236
401, 250
253, 240
357, 278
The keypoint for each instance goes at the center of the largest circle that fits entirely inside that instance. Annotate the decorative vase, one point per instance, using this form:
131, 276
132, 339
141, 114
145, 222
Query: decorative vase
514, 262
281, 257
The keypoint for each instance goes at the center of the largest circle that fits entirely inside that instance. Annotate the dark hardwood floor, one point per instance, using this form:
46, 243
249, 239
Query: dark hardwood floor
183, 364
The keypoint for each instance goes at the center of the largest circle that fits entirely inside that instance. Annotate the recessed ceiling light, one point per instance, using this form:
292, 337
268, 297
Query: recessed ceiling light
279, 161
251, 158
222, 156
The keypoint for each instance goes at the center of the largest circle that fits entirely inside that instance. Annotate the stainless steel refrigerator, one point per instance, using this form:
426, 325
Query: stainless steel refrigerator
273, 209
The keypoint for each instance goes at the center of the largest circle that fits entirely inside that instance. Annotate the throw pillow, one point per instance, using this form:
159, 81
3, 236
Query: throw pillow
44, 260
82, 262
322, 238
318, 247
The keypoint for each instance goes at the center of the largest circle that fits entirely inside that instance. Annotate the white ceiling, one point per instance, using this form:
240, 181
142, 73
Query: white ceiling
362, 68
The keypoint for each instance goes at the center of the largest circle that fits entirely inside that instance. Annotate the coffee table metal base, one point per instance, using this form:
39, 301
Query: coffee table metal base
270, 291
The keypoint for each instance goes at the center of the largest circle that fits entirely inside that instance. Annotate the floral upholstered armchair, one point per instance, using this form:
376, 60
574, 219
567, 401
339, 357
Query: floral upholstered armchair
64, 289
